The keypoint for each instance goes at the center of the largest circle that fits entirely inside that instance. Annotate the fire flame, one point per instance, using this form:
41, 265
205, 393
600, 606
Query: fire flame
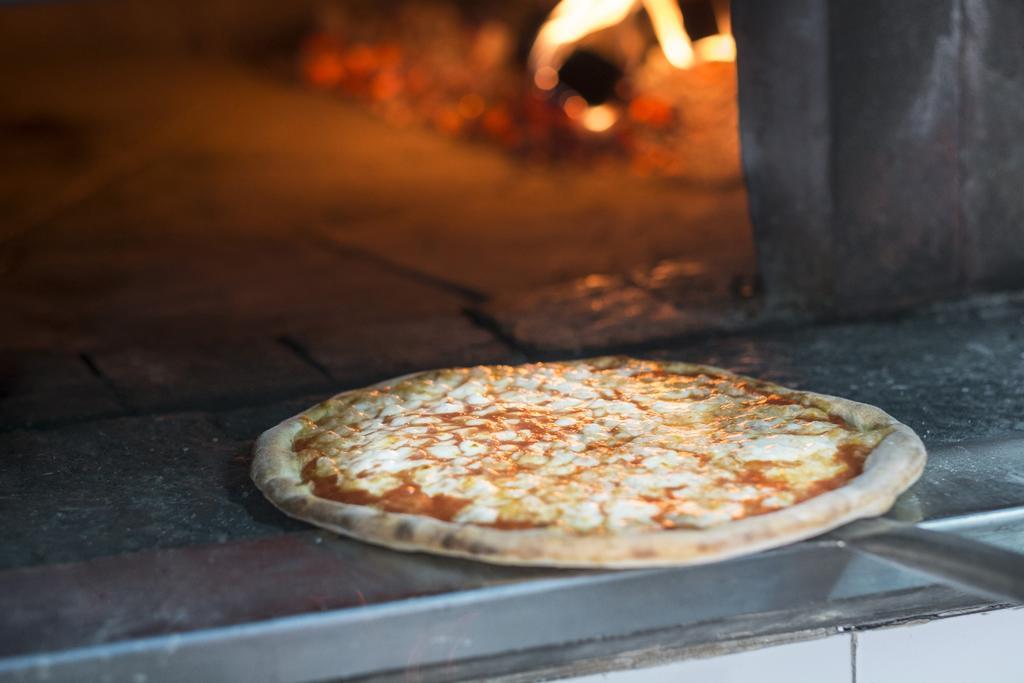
668, 27
573, 20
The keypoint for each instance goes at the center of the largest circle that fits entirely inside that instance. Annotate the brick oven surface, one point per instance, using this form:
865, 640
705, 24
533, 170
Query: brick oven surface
169, 293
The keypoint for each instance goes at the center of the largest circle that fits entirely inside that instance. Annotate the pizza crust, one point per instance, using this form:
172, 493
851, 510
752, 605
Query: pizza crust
891, 467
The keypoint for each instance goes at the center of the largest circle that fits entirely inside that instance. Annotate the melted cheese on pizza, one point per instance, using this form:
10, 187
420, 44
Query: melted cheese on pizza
589, 447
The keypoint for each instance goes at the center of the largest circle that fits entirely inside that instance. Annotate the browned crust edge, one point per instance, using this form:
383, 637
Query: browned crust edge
890, 469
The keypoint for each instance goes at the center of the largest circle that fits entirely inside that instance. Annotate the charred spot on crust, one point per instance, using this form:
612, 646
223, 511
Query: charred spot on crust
453, 542
478, 548
403, 532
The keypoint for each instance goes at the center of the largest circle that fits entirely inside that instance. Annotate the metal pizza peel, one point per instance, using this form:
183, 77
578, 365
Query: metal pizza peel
974, 566
920, 532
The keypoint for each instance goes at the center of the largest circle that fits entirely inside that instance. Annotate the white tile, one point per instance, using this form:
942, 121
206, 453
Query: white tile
981, 648
826, 660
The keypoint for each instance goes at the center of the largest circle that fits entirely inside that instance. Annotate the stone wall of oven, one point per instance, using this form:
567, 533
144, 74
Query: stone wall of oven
882, 148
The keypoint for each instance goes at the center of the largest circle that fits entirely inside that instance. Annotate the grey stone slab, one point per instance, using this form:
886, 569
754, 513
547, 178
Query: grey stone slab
362, 353
993, 157
880, 144
601, 312
202, 376
47, 388
245, 424
952, 375
123, 485
690, 283
784, 130
894, 100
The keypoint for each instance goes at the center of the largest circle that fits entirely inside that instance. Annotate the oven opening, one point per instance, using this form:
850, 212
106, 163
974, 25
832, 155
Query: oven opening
577, 166
572, 176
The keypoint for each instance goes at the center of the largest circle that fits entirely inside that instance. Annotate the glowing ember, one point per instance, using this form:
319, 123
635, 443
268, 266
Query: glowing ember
668, 27
571, 21
716, 48
645, 98
600, 118
546, 78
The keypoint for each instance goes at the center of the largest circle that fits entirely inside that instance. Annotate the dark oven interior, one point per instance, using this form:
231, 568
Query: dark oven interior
257, 171
568, 180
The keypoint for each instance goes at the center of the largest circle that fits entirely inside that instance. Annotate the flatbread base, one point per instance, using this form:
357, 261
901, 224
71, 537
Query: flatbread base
891, 467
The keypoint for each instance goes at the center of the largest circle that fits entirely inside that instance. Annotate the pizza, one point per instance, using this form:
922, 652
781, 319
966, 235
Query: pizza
610, 462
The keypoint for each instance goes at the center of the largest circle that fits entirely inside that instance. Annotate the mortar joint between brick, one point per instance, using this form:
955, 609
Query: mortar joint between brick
122, 401
477, 318
423, 277
303, 354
